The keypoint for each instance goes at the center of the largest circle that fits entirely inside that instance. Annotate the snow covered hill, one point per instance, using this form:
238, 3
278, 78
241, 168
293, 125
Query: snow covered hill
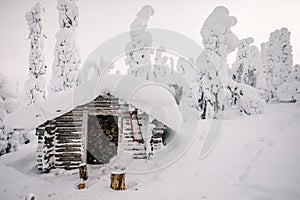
257, 158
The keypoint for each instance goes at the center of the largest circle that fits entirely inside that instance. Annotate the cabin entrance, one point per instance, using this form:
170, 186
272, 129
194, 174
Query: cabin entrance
102, 138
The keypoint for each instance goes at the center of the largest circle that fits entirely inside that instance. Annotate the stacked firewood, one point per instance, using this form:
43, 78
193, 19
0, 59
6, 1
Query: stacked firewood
102, 139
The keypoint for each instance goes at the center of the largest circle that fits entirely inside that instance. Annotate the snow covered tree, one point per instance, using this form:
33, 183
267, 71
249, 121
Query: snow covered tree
290, 90
218, 42
163, 71
160, 67
241, 65
206, 76
216, 89
278, 60
137, 50
35, 85
256, 73
190, 85
248, 67
9, 139
66, 54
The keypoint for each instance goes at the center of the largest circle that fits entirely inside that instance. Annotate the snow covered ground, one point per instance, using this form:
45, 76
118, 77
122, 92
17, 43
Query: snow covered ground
257, 158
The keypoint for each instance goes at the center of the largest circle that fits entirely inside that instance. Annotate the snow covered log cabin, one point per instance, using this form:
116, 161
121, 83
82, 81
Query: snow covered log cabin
97, 119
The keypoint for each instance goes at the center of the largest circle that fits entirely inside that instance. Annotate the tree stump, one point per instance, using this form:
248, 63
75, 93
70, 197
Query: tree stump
117, 181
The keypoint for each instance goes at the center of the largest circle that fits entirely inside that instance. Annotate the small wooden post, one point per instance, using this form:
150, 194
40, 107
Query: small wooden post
117, 180
82, 175
83, 171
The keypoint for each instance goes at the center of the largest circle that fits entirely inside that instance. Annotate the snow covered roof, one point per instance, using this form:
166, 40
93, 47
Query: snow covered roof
152, 98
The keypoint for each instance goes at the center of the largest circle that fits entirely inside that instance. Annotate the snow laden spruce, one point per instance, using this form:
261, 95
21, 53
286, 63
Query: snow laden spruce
200, 85
248, 67
35, 85
218, 41
217, 90
277, 58
66, 55
138, 56
290, 90
137, 50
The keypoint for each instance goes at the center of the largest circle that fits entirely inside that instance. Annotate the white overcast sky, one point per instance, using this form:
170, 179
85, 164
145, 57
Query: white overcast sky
100, 20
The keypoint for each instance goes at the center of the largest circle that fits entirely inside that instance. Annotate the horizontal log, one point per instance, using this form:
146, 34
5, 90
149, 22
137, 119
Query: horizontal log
69, 129
68, 145
69, 150
66, 141
68, 124
67, 159
68, 132
75, 154
69, 120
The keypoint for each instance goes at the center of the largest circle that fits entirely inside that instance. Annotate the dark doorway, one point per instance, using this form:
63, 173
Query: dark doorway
102, 138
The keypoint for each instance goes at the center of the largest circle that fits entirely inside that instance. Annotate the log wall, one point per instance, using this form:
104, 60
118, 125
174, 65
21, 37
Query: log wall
63, 141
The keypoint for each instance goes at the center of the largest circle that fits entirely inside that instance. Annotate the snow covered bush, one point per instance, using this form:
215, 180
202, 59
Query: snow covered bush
35, 85
218, 42
66, 55
137, 50
290, 90
9, 139
247, 98
278, 61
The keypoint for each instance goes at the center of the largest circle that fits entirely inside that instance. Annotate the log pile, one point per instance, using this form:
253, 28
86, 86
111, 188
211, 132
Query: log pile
102, 138
109, 126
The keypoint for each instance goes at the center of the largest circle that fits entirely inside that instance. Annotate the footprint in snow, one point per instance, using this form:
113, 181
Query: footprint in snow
270, 143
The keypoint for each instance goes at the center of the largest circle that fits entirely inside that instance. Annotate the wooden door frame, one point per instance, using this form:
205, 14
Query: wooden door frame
85, 118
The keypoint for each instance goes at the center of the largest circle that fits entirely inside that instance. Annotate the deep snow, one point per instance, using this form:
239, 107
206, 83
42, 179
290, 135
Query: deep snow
256, 158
